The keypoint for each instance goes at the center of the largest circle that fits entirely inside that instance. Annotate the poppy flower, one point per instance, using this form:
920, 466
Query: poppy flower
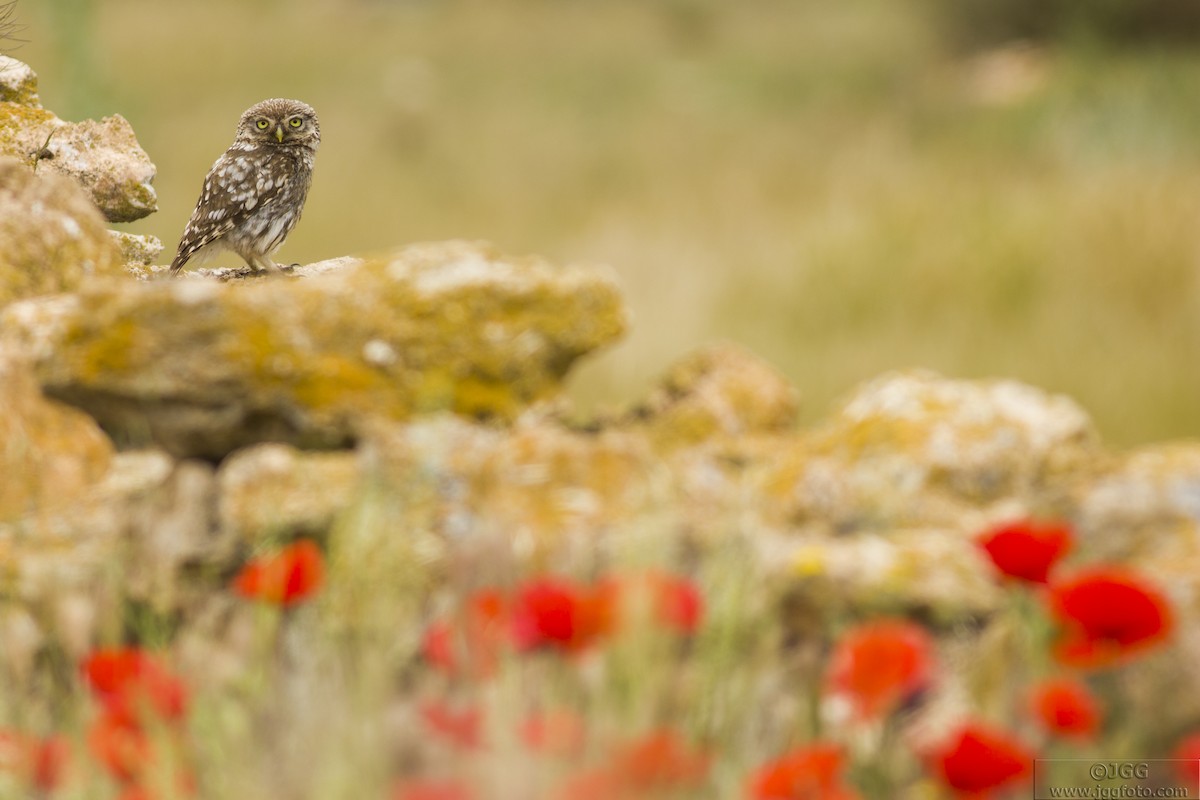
461, 726
50, 757
977, 759
877, 666
474, 644
1187, 756
1026, 550
1107, 615
131, 679
1066, 707
660, 759
813, 772
655, 763
41, 762
120, 745
678, 604
289, 577
554, 732
425, 789
556, 614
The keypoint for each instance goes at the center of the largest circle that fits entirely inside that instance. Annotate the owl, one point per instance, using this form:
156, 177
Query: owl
254, 193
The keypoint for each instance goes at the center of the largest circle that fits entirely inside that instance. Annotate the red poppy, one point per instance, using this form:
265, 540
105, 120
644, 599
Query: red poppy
977, 759
133, 679
556, 614
461, 726
120, 745
660, 759
1187, 756
1066, 707
41, 762
50, 757
424, 789
554, 732
879, 665
1108, 615
658, 762
476, 646
1026, 550
812, 772
289, 577
678, 604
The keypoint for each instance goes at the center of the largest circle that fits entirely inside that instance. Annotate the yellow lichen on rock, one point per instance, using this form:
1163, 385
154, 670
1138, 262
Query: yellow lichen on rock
919, 449
103, 156
51, 236
49, 454
202, 367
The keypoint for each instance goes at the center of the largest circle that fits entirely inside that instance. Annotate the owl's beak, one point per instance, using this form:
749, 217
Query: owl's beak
279, 132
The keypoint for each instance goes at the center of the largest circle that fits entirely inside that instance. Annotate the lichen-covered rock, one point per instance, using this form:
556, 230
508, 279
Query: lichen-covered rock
720, 391
202, 367
137, 251
51, 236
103, 156
18, 83
1147, 507
938, 574
275, 489
918, 450
133, 543
50, 454
533, 486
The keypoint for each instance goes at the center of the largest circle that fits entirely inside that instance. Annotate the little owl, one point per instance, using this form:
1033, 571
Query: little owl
254, 193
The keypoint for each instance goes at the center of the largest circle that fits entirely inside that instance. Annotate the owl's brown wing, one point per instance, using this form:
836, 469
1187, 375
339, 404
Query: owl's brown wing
239, 183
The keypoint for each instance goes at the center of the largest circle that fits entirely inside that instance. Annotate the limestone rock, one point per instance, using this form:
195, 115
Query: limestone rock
51, 236
720, 391
938, 574
1147, 507
18, 83
139, 540
137, 251
50, 454
103, 156
916, 449
202, 368
531, 486
274, 489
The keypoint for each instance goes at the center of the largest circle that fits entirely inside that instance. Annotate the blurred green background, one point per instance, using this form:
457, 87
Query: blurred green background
844, 187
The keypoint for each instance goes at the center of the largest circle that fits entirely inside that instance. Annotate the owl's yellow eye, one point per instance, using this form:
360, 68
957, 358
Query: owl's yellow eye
295, 122
262, 124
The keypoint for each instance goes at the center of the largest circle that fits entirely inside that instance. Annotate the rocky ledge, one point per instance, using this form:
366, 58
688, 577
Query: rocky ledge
201, 367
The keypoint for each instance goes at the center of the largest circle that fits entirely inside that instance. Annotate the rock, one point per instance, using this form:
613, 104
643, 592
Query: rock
103, 156
272, 490
918, 450
51, 236
137, 252
939, 575
720, 391
50, 455
201, 367
534, 486
1146, 508
18, 83
139, 545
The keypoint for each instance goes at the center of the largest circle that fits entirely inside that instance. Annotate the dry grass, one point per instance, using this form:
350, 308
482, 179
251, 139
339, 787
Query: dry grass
822, 183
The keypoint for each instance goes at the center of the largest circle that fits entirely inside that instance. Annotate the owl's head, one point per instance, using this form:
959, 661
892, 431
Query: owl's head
279, 122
